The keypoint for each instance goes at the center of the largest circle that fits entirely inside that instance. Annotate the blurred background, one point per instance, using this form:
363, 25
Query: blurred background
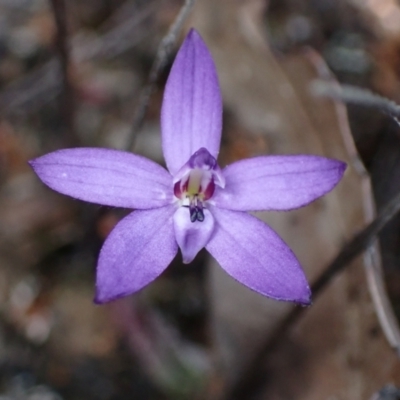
72, 75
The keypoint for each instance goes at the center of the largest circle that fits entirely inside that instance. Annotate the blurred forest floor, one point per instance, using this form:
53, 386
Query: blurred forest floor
195, 333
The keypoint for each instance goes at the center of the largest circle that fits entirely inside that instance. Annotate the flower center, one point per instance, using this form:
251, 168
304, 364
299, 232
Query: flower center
194, 189
195, 182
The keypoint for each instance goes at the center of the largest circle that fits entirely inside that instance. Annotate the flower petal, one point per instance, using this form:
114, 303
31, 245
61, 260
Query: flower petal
191, 115
192, 236
105, 176
252, 253
139, 248
277, 182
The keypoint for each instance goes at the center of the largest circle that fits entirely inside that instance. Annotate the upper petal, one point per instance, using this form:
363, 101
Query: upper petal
105, 176
139, 248
192, 236
252, 253
191, 115
277, 182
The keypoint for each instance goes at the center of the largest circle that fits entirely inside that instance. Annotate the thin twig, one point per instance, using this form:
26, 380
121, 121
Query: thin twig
162, 58
253, 378
67, 97
356, 95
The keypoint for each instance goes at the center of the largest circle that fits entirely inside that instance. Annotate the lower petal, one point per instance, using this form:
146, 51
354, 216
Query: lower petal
252, 253
192, 236
139, 249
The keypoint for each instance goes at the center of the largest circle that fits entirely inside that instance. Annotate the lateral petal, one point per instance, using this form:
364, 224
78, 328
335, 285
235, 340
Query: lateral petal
139, 249
105, 176
192, 236
252, 253
191, 114
277, 182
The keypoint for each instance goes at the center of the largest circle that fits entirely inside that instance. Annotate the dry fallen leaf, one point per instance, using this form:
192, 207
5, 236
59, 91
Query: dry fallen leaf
338, 347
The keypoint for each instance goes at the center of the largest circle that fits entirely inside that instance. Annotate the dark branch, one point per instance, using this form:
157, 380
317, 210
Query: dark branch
67, 96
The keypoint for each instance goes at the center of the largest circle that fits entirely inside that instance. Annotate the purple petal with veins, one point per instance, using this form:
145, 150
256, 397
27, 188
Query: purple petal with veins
191, 115
138, 249
252, 253
277, 182
104, 176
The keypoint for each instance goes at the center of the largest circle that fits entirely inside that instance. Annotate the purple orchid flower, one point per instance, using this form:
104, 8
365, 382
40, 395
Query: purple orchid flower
194, 204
